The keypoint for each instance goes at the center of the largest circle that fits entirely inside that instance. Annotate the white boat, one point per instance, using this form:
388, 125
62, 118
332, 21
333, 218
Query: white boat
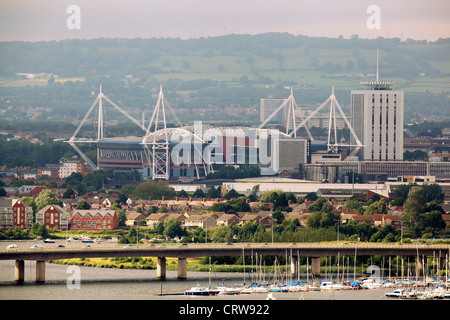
297, 288
259, 289
225, 290
312, 287
201, 291
329, 285
278, 288
371, 284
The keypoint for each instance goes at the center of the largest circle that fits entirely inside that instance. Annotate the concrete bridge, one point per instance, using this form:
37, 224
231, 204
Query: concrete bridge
183, 251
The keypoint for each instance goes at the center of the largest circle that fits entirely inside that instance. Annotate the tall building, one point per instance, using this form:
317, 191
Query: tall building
268, 106
377, 118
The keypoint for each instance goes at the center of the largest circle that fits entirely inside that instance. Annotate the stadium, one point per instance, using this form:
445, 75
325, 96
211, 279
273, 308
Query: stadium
186, 153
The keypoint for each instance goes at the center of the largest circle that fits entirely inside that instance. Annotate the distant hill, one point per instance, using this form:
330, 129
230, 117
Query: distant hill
206, 76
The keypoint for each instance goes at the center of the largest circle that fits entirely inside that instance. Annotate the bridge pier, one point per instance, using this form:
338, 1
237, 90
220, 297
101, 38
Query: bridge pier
315, 266
182, 268
19, 274
40, 271
160, 268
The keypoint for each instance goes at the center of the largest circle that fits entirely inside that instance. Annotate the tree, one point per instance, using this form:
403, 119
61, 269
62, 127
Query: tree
153, 189
121, 217
45, 198
312, 196
432, 219
182, 193
83, 205
30, 201
172, 228
199, 193
432, 192
354, 204
233, 194
403, 190
377, 207
74, 179
281, 202
39, 230
213, 192
68, 193
414, 205
320, 219
320, 205
278, 216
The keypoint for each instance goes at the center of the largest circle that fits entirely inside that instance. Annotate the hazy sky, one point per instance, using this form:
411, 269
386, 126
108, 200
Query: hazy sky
36, 20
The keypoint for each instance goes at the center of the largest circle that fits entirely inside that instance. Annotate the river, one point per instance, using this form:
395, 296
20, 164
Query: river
132, 284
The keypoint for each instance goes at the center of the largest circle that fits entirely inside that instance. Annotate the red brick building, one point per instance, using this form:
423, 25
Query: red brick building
15, 213
54, 217
94, 220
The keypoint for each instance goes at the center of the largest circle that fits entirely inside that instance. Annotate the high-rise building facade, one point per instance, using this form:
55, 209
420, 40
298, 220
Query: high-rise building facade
377, 118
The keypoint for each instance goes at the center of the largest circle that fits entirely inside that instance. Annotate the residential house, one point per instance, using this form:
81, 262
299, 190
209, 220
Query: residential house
446, 207
346, 214
293, 215
228, 220
446, 218
49, 170
30, 190
94, 220
250, 217
380, 220
15, 213
178, 217
134, 218
53, 217
268, 221
153, 219
203, 221
300, 207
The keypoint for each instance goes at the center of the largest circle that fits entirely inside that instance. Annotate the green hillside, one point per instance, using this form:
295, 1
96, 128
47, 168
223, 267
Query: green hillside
227, 74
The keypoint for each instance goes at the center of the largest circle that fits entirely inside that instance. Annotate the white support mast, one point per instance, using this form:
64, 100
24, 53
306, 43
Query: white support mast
291, 105
157, 146
100, 127
332, 124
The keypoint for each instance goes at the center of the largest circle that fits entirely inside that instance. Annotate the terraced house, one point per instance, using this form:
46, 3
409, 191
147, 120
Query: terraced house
15, 213
94, 220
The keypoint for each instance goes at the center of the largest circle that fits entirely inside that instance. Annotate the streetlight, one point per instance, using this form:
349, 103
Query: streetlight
339, 222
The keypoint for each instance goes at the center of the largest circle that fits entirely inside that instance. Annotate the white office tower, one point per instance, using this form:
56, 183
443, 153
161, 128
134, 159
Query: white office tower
377, 118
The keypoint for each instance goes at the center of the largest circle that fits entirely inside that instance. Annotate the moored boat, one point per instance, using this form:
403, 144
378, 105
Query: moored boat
201, 291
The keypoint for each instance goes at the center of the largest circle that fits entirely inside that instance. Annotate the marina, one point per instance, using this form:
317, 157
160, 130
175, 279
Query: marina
128, 284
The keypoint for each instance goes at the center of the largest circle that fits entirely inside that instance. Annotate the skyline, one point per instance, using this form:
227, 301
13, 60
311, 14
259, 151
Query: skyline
47, 20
